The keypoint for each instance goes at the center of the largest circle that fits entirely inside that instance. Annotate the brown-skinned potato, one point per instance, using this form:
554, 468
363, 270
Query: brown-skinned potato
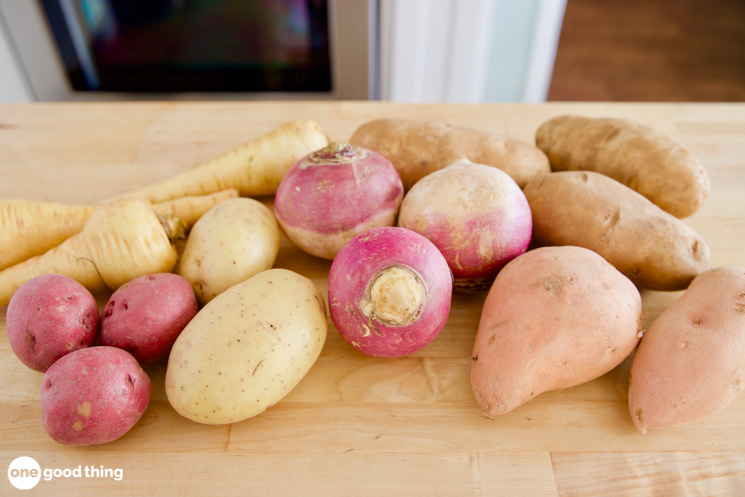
417, 148
644, 159
654, 249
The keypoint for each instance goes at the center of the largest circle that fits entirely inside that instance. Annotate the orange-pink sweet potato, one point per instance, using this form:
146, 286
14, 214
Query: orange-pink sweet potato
690, 364
555, 317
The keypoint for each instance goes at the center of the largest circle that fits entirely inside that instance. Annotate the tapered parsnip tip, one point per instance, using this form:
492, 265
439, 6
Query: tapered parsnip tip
190, 209
254, 168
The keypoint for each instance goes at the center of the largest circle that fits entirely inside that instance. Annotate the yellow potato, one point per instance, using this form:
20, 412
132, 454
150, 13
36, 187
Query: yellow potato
234, 240
247, 349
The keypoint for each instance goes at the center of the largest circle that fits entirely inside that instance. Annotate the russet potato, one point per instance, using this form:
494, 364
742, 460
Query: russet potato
642, 158
417, 148
653, 248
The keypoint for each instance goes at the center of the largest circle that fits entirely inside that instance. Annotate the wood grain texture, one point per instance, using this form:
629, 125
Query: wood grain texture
642, 51
358, 425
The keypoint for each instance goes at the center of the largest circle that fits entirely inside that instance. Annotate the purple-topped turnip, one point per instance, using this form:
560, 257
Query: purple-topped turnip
476, 215
390, 291
335, 193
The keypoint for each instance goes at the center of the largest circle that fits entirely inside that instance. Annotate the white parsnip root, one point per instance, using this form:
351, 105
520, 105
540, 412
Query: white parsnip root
30, 228
120, 241
254, 168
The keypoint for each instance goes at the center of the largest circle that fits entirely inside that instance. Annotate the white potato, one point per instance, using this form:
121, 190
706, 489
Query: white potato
247, 349
234, 240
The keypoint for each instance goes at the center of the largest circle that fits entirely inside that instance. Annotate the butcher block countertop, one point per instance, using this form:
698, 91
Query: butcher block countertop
358, 425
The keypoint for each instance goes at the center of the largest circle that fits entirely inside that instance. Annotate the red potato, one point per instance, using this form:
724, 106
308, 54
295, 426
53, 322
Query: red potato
389, 292
146, 315
555, 317
690, 363
93, 396
334, 194
476, 215
48, 317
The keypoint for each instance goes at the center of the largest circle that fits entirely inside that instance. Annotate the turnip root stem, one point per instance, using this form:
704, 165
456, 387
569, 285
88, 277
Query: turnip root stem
395, 296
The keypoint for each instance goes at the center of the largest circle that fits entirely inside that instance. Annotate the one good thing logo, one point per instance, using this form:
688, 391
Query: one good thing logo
25, 473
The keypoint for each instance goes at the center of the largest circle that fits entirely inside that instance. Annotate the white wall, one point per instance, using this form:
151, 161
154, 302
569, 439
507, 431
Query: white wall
13, 86
468, 50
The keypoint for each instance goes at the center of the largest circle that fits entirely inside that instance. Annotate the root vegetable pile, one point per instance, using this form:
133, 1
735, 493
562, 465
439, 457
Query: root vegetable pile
562, 234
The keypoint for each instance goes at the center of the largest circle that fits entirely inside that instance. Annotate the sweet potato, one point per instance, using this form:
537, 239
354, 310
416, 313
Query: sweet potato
642, 158
555, 317
417, 148
690, 364
654, 249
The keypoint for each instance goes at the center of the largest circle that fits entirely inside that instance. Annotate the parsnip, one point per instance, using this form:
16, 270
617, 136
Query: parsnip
120, 241
190, 209
31, 228
254, 168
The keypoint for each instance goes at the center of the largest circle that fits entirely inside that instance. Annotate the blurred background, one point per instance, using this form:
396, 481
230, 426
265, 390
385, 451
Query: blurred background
399, 50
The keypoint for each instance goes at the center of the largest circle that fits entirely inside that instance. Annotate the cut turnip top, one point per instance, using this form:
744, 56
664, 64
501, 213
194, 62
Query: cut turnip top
390, 291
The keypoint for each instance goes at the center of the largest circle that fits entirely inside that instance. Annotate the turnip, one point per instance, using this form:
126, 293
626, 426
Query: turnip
476, 215
335, 193
390, 291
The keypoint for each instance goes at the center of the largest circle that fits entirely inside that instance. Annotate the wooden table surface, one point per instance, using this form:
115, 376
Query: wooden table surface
358, 425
